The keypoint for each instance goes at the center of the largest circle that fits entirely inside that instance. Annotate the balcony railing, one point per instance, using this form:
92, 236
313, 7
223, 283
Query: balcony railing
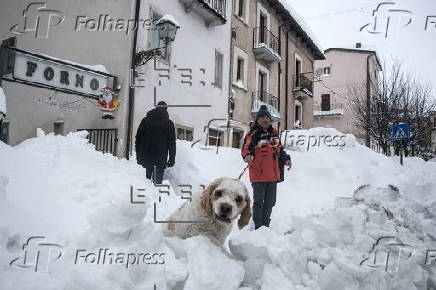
260, 98
302, 87
266, 45
212, 11
328, 109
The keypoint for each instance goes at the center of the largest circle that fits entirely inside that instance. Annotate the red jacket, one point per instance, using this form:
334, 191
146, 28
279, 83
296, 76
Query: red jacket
265, 166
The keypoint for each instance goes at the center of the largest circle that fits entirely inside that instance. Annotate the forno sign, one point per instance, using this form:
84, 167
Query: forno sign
59, 75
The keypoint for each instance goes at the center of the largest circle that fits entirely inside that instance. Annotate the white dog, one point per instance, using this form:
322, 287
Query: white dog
211, 213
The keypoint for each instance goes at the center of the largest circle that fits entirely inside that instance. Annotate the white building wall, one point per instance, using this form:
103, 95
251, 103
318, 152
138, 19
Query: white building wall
193, 48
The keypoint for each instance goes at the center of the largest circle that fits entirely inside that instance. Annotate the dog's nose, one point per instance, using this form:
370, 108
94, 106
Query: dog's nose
226, 208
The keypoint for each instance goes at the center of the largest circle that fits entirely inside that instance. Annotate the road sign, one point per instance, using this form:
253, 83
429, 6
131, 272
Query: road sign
400, 132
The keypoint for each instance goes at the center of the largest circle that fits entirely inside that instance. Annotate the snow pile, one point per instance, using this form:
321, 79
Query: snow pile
2, 101
89, 204
336, 250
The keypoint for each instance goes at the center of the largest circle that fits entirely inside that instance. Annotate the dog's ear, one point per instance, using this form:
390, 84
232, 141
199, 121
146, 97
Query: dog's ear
206, 196
245, 217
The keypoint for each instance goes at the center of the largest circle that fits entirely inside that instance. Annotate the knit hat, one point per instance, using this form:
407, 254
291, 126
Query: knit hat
263, 111
162, 103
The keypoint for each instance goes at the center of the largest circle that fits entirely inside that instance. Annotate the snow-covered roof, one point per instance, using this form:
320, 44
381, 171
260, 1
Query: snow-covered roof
2, 101
169, 18
305, 29
96, 67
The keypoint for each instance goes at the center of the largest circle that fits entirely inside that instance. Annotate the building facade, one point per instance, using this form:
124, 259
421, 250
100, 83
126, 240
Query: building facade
272, 57
71, 32
191, 74
332, 107
227, 58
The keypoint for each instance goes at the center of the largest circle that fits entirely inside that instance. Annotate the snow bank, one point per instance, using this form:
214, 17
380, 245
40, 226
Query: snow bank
335, 250
61, 189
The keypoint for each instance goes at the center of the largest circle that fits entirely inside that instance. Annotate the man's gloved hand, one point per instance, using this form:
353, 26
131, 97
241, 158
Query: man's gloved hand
248, 158
288, 163
171, 163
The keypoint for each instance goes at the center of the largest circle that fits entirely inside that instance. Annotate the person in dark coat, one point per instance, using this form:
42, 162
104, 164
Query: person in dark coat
265, 155
155, 143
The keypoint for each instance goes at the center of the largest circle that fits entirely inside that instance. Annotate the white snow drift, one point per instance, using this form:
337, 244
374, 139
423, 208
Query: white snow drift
324, 233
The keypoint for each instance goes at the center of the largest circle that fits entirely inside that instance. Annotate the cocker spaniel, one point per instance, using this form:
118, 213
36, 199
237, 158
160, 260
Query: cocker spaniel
212, 212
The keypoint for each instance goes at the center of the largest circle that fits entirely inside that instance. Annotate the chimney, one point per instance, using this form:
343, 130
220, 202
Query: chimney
358, 45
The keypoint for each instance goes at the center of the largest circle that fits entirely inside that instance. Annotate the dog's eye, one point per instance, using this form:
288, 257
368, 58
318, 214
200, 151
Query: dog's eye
238, 199
219, 193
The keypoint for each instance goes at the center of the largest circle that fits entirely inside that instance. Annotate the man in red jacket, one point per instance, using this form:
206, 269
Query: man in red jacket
264, 153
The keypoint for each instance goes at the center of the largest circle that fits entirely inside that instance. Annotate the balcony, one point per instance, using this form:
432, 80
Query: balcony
212, 11
302, 87
260, 98
266, 45
328, 110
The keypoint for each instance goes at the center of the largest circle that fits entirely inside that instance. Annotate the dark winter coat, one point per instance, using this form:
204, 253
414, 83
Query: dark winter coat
269, 160
155, 142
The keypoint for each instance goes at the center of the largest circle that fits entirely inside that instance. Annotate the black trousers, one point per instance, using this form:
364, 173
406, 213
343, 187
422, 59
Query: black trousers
150, 174
264, 198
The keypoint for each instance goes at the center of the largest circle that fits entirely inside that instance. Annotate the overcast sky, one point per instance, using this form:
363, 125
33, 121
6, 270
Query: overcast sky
337, 23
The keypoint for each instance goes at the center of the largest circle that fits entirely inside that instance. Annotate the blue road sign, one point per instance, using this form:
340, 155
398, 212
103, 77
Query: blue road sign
400, 132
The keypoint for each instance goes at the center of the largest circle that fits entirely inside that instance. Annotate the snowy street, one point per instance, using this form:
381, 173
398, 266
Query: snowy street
62, 189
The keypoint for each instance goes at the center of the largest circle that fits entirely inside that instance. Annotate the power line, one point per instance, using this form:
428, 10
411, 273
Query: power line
341, 12
331, 90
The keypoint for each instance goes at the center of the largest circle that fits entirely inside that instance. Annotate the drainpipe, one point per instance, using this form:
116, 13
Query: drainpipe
368, 103
287, 80
131, 89
230, 83
279, 69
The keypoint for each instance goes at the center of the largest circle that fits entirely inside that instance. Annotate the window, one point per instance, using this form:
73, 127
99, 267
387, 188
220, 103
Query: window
240, 73
327, 70
58, 127
240, 70
215, 137
325, 102
263, 28
262, 82
298, 114
218, 69
155, 41
241, 8
4, 131
297, 71
236, 139
184, 133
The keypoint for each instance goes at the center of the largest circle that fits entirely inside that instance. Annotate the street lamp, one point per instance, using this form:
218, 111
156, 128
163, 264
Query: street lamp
167, 28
